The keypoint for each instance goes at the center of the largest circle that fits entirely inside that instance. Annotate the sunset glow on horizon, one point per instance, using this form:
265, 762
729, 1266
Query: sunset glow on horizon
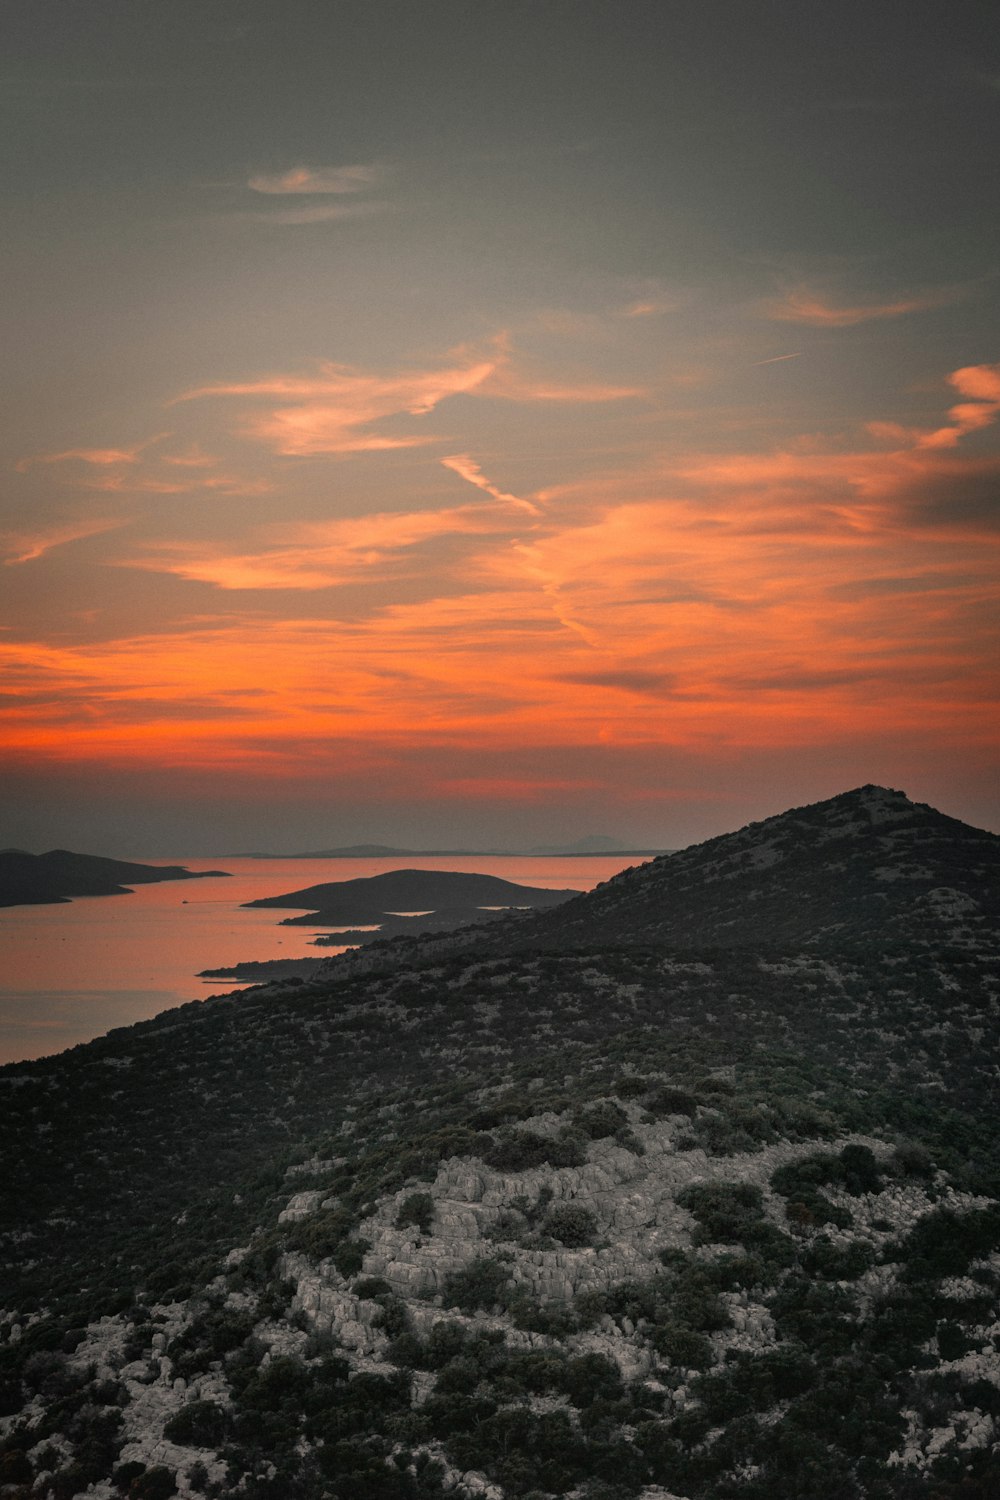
453, 476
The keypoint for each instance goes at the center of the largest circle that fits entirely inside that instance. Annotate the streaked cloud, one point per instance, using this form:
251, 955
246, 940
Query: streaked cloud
323, 554
801, 305
331, 411
467, 468
335, 409
351, 179
27, 546
102, 458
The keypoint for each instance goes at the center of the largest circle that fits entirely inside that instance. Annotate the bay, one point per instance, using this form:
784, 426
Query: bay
71, 972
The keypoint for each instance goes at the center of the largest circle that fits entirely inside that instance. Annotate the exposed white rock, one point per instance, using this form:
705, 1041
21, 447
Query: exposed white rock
300, 1206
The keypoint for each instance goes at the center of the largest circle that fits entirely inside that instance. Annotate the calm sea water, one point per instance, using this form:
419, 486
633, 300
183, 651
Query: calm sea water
72, 972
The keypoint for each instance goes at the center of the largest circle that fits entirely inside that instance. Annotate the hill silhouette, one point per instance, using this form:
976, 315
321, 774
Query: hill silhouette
865, 868
37, 879
370, 898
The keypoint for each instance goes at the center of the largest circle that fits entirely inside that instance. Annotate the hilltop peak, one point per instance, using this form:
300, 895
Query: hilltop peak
867, 867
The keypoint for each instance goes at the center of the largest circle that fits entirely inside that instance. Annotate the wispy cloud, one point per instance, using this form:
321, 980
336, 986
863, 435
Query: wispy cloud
324, 554
102, 458
333, 410
981, 383
801, 305
467, 468
352, 179
27, 546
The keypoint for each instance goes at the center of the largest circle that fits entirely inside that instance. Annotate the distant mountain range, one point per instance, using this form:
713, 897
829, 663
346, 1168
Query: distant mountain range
593, 844
37, 879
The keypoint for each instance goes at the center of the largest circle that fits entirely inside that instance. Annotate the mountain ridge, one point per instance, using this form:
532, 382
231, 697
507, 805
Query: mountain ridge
867, 867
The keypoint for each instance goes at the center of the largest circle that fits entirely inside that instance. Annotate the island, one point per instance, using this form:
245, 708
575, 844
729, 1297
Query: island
407, 902
58, 876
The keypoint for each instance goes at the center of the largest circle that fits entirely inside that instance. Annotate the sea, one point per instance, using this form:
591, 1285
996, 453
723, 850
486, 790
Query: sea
71, 972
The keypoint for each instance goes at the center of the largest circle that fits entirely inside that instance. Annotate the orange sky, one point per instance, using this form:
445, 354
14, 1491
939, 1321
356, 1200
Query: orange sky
337, 529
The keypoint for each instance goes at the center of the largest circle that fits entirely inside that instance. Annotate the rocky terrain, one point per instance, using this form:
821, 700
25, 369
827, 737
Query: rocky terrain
681, 1218
38, 879
867, 868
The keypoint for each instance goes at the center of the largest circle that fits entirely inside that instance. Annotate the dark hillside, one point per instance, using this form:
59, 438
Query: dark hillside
635, 1220
866, 869
36, 879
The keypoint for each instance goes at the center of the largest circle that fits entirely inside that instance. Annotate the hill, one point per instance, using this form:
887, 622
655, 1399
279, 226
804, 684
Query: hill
37, 879
374, 897
628, 1219
868, 868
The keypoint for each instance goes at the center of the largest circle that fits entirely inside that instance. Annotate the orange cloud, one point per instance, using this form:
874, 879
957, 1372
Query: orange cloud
467, 468
25, 547
100, 457
800, 305
982, 383
323, 554
817, 595
330, 412
334, 409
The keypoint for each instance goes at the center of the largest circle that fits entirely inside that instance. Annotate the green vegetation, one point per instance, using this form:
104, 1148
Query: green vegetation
772, 1352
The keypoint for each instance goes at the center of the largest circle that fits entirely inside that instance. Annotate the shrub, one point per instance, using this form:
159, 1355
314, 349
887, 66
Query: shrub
519, 1150
672, 1101
477, 1285
200, 1424
155, 1484
601, 1119
571, 1224
943, 1242
349, 1256
591, 1377
725, 1211
371, 1286
630, 1087
124, 1474
859, 1170
913, 1160
682, 1346
417, 1209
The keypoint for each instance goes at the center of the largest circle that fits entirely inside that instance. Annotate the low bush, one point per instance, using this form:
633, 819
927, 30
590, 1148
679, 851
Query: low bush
199, 1424
417, 1209
571, 1224
479, 1285
519, 1150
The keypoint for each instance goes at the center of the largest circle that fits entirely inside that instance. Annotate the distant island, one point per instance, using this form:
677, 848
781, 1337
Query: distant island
596, 846
41, 879
407, 902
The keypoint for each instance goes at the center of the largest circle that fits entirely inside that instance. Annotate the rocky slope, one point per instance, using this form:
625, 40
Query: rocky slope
716, 1223
868, 868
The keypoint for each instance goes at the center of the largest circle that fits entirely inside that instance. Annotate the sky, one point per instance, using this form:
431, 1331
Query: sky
491, 422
